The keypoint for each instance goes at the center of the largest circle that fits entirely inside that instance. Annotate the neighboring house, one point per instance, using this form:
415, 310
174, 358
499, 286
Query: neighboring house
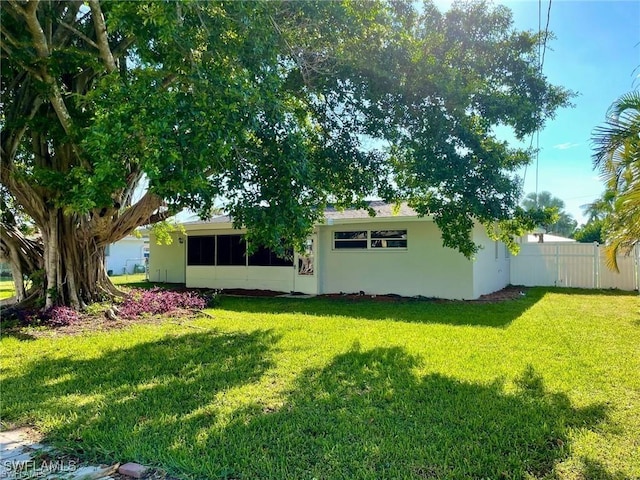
128, 255
394, 252
5, 270
544, 238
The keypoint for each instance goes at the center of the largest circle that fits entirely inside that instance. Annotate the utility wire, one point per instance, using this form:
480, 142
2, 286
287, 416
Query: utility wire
546, 36
542, 50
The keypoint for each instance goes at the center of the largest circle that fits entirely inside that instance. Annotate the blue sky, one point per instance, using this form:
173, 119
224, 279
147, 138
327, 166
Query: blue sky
596, 52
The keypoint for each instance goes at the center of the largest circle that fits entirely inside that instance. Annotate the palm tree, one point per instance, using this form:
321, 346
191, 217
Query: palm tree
564, 223
600, 208
617, 156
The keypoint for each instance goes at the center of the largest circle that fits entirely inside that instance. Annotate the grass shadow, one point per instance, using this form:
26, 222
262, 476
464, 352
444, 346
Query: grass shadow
595, 470
115, 403
365, 415
16, 332
612, 292
496, 314
368, 416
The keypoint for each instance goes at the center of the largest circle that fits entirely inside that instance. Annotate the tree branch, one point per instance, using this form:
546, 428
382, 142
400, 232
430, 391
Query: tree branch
101, 35
10, 141
39, 39
139, 214
55, 97
61, 34
80, 34
27, 68
15, 7
121, 48
9, 37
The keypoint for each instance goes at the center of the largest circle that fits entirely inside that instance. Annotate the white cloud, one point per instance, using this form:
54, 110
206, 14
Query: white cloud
566, 146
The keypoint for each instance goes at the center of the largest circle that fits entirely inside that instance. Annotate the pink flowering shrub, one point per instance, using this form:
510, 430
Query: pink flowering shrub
52, 317
158, 301
59, 316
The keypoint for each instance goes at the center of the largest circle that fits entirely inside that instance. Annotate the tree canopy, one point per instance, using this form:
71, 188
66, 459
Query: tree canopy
276, 107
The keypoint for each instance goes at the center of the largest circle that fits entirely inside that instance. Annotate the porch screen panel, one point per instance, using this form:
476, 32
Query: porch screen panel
264, 257
232, 250
201, 250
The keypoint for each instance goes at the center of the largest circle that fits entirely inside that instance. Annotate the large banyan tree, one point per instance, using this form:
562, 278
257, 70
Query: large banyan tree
120, 114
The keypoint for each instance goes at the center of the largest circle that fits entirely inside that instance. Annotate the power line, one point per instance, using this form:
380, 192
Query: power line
542, 50
546, 36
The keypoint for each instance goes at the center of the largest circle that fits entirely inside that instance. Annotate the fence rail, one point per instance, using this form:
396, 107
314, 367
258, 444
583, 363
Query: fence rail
579, 265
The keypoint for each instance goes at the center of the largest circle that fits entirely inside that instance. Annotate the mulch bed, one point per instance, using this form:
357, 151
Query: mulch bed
511, 292
508, 293
243, 292
95, 323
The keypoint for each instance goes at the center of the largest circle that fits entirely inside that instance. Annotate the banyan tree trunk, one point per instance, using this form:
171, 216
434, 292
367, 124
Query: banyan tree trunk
73, 261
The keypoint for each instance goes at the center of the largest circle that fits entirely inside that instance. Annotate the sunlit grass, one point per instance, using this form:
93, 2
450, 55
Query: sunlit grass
545, 386
128, 278
7, 289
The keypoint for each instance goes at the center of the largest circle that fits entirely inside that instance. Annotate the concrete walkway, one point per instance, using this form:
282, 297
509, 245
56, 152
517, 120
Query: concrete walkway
21, 457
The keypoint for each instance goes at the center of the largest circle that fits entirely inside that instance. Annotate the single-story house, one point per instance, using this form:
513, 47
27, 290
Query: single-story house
395, 252
128, 255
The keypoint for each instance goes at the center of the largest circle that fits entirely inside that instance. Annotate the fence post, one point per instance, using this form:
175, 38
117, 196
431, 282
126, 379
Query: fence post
636, 265
596, 264
558, 266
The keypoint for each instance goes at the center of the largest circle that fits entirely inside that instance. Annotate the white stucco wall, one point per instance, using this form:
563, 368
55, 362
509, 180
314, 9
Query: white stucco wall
279, 279
491, 267
425, 267
167, 262
125, 254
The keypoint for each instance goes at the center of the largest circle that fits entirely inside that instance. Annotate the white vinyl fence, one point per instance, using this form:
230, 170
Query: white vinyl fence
579, 265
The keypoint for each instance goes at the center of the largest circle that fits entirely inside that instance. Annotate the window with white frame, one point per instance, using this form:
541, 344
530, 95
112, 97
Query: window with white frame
388, 239
369, 239
350, 240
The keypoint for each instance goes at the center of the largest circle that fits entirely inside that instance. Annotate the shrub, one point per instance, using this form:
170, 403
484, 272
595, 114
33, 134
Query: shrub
52, 317
157, 301
212, 298
59, 316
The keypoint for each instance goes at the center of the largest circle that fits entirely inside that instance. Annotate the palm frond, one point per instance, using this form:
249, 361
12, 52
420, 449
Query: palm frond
620, 135
617, 156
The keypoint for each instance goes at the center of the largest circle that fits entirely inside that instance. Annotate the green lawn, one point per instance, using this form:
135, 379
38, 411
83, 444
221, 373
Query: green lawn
545, 386
7, 289
132, 280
